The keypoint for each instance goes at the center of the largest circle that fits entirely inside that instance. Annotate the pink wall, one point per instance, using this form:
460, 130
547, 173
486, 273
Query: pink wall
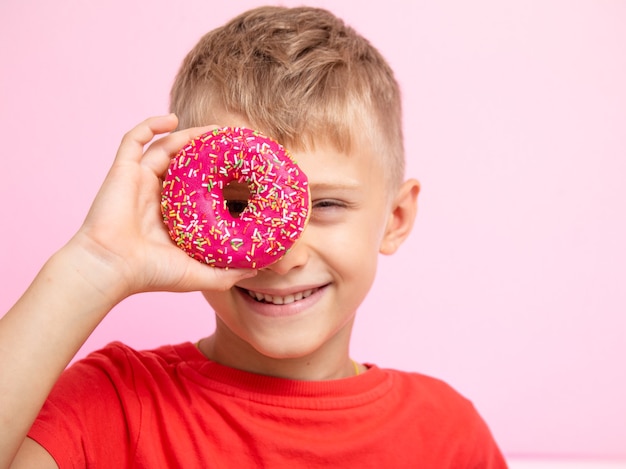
512, 286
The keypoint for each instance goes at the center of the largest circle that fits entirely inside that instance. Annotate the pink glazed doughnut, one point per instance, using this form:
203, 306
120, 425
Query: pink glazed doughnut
196, 213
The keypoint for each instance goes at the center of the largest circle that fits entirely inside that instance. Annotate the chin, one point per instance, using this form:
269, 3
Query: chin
285, 348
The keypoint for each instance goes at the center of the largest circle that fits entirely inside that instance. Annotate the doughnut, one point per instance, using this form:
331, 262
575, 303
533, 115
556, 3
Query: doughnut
198, 217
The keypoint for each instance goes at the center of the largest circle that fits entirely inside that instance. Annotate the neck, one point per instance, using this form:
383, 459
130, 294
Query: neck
331, 361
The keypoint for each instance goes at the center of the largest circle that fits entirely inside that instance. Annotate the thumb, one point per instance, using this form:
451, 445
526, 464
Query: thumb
202, 277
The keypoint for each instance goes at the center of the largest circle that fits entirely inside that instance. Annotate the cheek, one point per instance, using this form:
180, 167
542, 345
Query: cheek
219, 301
352, 250
365, 232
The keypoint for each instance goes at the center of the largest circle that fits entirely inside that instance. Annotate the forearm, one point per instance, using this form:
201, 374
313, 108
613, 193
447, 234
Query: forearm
43, 331
122, 248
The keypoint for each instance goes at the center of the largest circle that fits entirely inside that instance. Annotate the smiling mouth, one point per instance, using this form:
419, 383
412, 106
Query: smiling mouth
280, 300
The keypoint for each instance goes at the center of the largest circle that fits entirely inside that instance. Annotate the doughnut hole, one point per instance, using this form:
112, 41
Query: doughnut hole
237, 196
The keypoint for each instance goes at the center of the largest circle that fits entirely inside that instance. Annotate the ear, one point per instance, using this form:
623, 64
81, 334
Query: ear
401, 217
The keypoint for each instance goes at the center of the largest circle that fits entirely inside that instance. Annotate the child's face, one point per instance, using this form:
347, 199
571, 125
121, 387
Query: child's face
306, 301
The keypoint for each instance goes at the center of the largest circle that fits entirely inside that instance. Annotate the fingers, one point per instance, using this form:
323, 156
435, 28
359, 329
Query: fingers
201, 277
158, 156
170, 269
223, 279
131, 148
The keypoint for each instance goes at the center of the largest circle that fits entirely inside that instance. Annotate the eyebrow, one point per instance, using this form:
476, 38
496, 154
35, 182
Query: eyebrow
342, 186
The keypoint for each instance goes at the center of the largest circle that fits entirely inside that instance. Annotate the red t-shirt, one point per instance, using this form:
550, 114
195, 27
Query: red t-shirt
173, 408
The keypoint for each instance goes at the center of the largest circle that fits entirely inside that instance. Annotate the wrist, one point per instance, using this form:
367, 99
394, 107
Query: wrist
94, 275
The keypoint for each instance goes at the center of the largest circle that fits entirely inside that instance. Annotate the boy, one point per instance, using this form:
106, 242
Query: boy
274, 385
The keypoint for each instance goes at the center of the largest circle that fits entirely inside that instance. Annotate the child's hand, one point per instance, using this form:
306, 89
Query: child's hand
122, 248
124, 230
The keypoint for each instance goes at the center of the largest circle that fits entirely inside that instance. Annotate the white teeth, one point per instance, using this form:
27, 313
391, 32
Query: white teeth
281, 300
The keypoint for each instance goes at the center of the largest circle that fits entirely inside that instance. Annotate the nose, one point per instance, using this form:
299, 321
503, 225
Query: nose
296, 257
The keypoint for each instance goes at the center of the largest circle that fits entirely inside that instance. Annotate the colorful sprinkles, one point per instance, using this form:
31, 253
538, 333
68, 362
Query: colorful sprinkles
197, 216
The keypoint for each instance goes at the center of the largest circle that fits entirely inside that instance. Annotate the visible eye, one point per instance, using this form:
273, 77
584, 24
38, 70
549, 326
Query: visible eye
329, 211
327, 203
235, 207
236, 195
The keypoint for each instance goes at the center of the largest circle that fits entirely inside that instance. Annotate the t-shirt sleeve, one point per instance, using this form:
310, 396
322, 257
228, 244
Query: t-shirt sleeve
451, 431
85, 416
483, 450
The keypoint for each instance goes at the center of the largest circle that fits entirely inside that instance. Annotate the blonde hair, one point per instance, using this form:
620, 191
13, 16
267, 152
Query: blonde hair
299, 75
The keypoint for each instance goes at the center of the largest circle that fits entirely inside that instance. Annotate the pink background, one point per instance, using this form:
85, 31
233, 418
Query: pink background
512, 285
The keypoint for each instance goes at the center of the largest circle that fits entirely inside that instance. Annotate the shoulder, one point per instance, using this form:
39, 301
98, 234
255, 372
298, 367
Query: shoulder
120, 353
102, 396
448, 420
119, 358
96, 399
426, 389
118, 370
